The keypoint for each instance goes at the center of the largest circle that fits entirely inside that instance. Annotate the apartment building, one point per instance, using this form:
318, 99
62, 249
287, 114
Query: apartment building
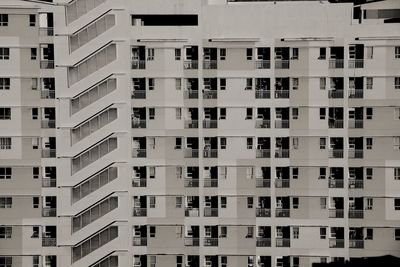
213, 133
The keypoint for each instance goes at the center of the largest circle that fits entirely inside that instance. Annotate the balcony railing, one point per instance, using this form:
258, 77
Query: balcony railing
139, 153
336, 63
336, 243
48, 124
356, 93
356, 183
335, 183
263, 212
356, 124
49, 242
49, 212
356, 63
139, 64
190, 64
282, 93
192, 212
282, 183
263, 153
191, 153
336, 124
336, 213
281, 64
356, 153
208, 182
263, 242
282, 212
263, 124
48, 94
139, 241
139, 212
46, 64
281, 124
337, 93
263, 94
189, 182
282, 242
353, 243
49, 182
210, 64
210, 242
210, 153
262, 64
139, 182
263, 183
138, 94
210, 94
282, 153
48, 153
210, 124
356, 214
191, 124
139, 124
192, 241
210, 212
336, 153
191, 94
46, 31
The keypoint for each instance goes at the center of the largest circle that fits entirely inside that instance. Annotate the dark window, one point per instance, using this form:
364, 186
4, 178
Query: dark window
33, 53
32, 20
322, 53
4, 83
3, 19
165, 20
4, 53
249, 53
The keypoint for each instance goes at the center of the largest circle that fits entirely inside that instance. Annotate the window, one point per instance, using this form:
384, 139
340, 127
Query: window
223, 202
322, 143
152, 202
178, 83
369, 52
322, 113
35, 113
397, 234
5, 142
5, 232
295, 173
222, 53
178, 143
249, 142
35, 172
152, 231
295, 202
223, 232
250, 232
322, 83
249, 53
222, 113
396, 82
178, 113
222, 84
223, 142
370, 234
369, 203
178, 54
35, 143
397, 52
5, 113
322, 233
5, 202
34, 82
369, 143
152, 113
322, 53
150, 54
151, 84
35, 202
5, 172
396, 173
35, 232
4, 83
33, 53
295, 113
3, 19
295, 142
369, 83
322, 203
369, 112
178, 202
369, 173
295, 83
6, 261
295, 232
396, 141
250, 202
322, 173
4, 53
249, 113
32, 20
249, 84
397, 204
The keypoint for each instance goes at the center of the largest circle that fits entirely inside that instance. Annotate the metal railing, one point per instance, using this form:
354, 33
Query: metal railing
356, 183
263, 94
336, 213
356, 153
356, 93
336, 63
263, 153
46, 31
263, 124
138, 64
48, 124
282, 93
210, 124
337, 93
282, 242
191, 94
138, 123
279, 212
210, 64
263, 212
263, 183
191, 124
192, 212
356, 124
49, 182
282, 183
282, 124
139, 153
356, 243
49, 242
356, 214
49, 212
48, 94
335, 124
138, 94
46, 64
210, 242
282, 153
48, 153
189, 182
210, 212
336, 243
262, 64
139, 182
210, 153
336, 153
139, 212
208, 182
139, 241
356, 63
192, 241
263, 242
282, 63
210, 94
191, 64
191, 153
335, 183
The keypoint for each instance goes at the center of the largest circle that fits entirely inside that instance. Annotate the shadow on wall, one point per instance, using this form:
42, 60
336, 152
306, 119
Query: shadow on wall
384, 261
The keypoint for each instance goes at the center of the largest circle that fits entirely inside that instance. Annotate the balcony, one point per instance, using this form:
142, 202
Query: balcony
356, 214
282, 64
139, 153
336, 124
189, 182
139, 182
48, 124
336, 153
192, 242
281, 94
210, 94
263, 242
192, 212
282, 242
262, 64
263, 124
48, 94
263, 212
282, 153
49, 242
263, 153
138, 64
210, 212
356, 183
336, 243
191, 124
356, 124
336, 93
356, 63
335, 183
139, 124
210, 242
138, 94
356, 93
356, 153
190, 64
353, 243
263, 183
48, 153
191, 94
210, 153
139, 241
49, 212
336, 213
191, 153
263, 94
281, 124
47, 182
210, 64
282, 183
210, 124
47, 64
208, 182
46, 31
336, 63
281, 213
139, 212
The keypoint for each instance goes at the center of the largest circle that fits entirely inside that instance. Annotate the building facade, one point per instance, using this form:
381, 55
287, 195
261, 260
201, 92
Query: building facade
198, 132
